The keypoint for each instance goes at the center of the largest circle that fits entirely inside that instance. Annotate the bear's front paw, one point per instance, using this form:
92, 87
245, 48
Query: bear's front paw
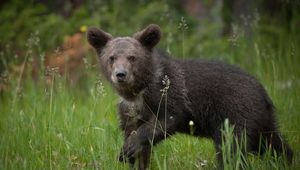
130, 148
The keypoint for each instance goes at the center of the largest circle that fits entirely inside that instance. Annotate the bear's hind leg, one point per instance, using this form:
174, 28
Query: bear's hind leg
275, 141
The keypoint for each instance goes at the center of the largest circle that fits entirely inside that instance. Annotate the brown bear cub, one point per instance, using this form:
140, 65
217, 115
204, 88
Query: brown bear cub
161, 95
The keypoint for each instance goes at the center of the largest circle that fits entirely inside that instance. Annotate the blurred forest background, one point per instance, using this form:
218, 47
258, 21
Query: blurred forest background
52, 93
53, 32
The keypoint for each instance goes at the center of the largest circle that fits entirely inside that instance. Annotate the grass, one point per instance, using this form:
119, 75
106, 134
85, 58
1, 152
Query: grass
54, 127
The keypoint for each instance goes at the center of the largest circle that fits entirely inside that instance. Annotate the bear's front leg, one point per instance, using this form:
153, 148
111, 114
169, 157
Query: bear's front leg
127, 134
144, 157
131, 148
139, 143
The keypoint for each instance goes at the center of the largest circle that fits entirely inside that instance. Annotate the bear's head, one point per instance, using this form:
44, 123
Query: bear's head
126, 61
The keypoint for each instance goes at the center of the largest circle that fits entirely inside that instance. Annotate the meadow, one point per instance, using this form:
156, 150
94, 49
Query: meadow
53, 126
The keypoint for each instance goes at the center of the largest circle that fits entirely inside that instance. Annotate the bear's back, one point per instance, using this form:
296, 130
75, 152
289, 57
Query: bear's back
223, 90
217, 76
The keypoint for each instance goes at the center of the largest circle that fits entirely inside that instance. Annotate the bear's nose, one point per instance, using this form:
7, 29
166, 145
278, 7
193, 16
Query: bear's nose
121, 75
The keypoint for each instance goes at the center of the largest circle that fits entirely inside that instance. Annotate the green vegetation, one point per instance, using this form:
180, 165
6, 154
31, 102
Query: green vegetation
52, 126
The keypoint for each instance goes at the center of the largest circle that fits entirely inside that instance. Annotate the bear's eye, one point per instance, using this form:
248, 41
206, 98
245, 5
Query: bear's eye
131, 59
111, 59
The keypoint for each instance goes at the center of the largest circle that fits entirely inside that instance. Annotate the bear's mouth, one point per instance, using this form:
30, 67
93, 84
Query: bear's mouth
121, 81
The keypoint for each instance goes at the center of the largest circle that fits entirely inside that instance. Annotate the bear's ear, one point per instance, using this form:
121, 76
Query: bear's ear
98, 38
149, 37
